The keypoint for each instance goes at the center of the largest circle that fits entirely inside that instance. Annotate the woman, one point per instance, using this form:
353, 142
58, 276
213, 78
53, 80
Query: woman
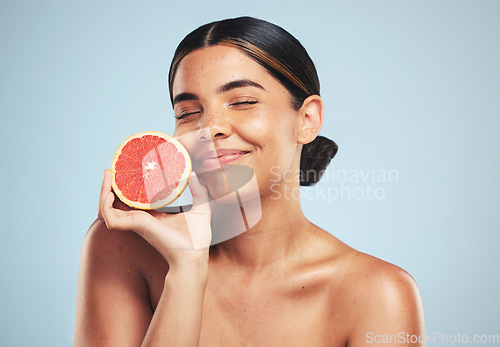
248, 88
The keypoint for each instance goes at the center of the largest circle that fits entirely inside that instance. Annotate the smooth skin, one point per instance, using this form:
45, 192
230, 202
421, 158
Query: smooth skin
285, 282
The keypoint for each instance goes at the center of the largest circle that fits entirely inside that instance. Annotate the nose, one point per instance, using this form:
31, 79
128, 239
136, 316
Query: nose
215, 124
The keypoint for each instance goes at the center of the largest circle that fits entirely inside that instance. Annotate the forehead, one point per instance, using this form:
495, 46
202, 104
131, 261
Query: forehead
216, 65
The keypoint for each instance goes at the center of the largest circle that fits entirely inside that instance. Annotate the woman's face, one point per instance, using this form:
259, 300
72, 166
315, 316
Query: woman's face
230, 111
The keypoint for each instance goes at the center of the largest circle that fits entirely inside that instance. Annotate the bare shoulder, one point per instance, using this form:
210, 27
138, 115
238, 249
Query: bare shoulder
380, 277
366, 277
108, 245
378, 298
117, 258
113, 305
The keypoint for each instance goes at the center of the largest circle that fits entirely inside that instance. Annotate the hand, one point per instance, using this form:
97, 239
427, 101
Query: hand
180, 238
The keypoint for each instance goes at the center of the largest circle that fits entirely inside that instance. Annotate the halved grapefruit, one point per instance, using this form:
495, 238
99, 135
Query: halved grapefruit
150, 170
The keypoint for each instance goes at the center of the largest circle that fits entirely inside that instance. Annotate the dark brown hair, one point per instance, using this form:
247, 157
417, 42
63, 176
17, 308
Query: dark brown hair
284, 57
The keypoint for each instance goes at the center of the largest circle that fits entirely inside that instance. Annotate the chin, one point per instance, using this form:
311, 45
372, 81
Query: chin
230, 180
234, 200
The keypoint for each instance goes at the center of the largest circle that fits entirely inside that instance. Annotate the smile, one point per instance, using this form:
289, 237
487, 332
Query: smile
215, 159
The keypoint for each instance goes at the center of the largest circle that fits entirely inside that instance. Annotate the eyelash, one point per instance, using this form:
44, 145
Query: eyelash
247, 102
185, 115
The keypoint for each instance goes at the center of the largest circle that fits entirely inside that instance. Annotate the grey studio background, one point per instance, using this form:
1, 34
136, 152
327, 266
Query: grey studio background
412, 98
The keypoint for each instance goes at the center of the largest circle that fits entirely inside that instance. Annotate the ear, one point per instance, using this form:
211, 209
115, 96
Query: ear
310, 119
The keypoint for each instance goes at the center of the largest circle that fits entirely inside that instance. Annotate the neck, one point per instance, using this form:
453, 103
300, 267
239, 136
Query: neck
277, 236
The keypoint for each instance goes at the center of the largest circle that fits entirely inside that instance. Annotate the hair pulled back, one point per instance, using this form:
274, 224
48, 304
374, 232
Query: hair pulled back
284, 57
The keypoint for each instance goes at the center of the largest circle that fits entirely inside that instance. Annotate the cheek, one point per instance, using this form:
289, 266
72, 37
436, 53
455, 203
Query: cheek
182, 131
268, 129
256, 130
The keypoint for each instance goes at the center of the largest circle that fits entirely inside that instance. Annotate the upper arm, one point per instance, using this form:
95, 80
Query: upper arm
390, 311
112, 301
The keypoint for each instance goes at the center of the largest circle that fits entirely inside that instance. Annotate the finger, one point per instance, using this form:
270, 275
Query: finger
120, 205
198, 191
115, 218
107, 211
138, 221
105, 189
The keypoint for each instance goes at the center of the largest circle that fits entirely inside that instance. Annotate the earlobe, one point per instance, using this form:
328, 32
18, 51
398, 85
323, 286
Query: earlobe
311, 116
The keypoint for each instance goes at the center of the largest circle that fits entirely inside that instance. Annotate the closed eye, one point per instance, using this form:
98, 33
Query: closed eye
183, 115
246, 102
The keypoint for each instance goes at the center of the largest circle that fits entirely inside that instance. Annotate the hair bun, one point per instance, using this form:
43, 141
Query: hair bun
315, 158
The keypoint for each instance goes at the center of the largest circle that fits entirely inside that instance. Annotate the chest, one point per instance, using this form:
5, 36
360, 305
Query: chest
272, 313
240, 314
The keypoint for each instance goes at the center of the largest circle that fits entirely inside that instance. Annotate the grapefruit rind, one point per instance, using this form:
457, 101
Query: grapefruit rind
176, 192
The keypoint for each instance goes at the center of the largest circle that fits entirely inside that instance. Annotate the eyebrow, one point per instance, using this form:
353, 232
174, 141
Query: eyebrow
224, 88
184, 97
238, 84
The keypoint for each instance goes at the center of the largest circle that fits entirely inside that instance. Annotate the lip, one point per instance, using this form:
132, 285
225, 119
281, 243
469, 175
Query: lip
215, 159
